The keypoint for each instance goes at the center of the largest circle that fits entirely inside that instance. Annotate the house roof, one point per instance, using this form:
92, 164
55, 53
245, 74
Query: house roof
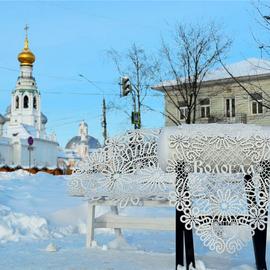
244, 68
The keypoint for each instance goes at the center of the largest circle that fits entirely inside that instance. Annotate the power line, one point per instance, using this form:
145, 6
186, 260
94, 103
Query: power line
93, 82
59, 77
64, 124
93, 94
81, 93
75, 116
71, 122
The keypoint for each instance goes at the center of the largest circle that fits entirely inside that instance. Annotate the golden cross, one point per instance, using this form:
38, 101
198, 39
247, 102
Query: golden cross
26, 29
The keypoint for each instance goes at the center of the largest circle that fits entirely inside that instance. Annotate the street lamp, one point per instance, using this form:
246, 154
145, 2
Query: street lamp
91, 82
104, 117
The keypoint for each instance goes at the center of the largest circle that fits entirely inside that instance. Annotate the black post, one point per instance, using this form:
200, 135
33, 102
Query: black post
179, 240
183, 237
190, 257
259, 245
260, 236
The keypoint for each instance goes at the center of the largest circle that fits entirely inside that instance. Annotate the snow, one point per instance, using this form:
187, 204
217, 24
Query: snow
28, 205
247, 67
51, 247
16, 226
120, 243
42, 227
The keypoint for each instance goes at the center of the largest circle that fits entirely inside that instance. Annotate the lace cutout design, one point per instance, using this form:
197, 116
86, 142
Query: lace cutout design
125, 170
222, 183
217, 176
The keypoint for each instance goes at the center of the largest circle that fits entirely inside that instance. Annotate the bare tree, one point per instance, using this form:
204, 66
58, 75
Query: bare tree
188, 57
140, 69
263, 20
250, 84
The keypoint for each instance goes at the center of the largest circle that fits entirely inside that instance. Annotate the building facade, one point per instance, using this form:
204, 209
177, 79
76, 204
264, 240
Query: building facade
221, 99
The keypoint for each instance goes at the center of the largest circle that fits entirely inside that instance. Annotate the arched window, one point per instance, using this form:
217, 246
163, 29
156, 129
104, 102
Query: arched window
26, 102
17, 102
35, 102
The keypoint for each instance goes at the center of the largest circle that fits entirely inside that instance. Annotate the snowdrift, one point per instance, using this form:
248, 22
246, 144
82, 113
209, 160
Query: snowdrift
37, 207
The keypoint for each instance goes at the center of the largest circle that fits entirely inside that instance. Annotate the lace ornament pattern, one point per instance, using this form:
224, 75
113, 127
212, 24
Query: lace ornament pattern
222, 182
125, 170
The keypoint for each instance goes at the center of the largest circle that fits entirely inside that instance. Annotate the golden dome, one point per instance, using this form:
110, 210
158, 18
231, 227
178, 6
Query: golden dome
26, 57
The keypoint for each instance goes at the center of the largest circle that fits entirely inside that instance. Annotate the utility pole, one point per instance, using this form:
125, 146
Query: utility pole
126, 88
104, 120
134, 111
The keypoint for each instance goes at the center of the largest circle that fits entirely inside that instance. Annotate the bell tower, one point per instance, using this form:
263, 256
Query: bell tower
25, 98
83, 148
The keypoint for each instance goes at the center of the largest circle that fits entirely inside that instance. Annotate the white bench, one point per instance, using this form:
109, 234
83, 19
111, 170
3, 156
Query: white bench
129, 160
113, 220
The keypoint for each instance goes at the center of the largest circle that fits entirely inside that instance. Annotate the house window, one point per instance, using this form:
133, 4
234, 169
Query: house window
17, 102
230, 107
35, 102
183, 110
256, 103
25, 102
205, 108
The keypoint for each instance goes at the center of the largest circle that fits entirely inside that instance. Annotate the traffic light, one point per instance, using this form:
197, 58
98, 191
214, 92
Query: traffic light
126, 86
135, 118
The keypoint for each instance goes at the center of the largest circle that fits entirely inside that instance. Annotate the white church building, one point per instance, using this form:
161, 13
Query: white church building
78, 147
24, 119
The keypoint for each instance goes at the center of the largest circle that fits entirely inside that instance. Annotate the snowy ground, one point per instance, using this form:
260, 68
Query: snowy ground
36, 211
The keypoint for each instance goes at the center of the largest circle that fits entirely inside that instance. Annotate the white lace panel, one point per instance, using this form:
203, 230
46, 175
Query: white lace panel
125, 170
222, 184
216, 175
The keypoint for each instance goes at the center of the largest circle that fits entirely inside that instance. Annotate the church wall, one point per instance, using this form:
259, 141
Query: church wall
44, 153
17, 154
6, 153
16, 150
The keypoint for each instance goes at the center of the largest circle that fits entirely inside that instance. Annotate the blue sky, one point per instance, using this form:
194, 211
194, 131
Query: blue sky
69, 38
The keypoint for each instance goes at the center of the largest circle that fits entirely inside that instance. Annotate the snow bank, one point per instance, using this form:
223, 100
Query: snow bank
19, 174
120, 243
38, 207
243, 267
199, 266
17, 226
